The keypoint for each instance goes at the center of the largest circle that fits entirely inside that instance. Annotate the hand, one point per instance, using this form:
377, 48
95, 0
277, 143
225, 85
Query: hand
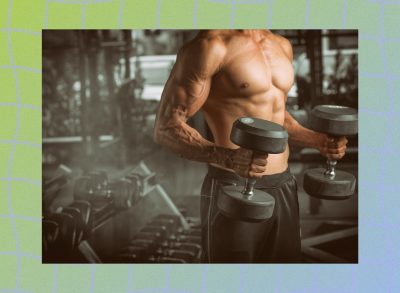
333, 148
248, 164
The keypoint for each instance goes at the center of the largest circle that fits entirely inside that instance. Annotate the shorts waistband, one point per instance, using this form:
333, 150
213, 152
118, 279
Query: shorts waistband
267, 181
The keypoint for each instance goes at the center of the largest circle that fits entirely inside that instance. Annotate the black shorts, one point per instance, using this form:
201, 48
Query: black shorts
226, 240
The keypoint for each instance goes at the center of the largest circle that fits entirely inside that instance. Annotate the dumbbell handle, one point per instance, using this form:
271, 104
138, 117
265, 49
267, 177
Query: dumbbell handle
248, 190
249, 187
330, 168
331, 164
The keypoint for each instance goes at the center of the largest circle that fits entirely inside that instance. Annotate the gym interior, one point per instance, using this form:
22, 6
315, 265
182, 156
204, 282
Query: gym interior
112, 195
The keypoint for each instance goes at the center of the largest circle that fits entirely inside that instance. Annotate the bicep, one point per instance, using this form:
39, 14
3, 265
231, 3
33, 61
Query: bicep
189, 84
183, 97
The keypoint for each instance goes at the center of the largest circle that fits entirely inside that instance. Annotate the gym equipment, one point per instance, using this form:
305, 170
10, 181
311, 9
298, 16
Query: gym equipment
162, 240
185, 255
251, 204
99, 179
64, 230
162, 230
123, 193
164, 259
143, 183
53, 185
49, 234
329, 183
85, 209
195, 248
85, 189
65, 241
79, 222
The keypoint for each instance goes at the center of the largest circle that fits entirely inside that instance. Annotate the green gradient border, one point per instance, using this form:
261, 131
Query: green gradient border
20, 145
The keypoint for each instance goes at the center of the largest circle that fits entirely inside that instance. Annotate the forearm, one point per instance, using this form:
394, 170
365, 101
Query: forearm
186, 141
301, 136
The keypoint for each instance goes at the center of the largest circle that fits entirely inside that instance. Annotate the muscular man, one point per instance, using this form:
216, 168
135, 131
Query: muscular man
231, 74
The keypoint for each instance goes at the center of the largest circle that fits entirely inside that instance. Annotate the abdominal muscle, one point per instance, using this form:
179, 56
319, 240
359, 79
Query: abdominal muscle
221, 113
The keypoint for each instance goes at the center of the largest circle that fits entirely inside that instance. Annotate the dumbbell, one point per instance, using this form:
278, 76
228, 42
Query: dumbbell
193, 247
142, 242
90, 185
133, 254
153, 236
164, 259
174, 218
190, 232
185, 255
185, 239
123, 192
329, 183
249, 204
157, 229
170, 224
88, 188
99, 179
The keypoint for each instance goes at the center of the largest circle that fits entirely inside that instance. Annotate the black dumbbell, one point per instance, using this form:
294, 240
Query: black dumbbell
170, 224
87, 188
186, 255
185, 239
148, 244
154, 236
190, 232
163, 230
133, 254
174, 218
163, 259
249, 204
329, 183
123, 193
193, 247
99, 179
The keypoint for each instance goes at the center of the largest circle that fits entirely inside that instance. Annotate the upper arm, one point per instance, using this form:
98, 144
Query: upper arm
286, 46
190, 81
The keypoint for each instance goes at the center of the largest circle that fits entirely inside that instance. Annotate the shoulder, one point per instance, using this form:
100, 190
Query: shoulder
286, 46
206, 49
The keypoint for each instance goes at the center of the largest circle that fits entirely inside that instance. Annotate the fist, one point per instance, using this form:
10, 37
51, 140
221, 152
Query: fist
333, 148
249, 164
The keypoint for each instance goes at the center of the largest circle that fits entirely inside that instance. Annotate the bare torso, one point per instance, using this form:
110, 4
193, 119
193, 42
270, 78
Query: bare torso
253, 82
228, 74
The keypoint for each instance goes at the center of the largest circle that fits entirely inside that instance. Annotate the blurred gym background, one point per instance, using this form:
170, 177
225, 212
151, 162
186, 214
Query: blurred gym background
101, 89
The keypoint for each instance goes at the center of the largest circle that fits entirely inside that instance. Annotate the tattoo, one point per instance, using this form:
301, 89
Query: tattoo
178, 136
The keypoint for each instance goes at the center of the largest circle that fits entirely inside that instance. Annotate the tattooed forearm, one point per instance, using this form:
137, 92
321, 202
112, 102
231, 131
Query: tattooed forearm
174, 133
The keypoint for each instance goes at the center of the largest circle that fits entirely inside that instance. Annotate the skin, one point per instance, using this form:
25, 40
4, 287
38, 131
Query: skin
231, 74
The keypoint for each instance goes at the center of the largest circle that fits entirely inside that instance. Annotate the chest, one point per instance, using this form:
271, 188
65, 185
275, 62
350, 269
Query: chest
259, 68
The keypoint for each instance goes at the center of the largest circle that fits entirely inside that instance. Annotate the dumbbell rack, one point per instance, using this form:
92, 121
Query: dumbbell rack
109, 229
163, 240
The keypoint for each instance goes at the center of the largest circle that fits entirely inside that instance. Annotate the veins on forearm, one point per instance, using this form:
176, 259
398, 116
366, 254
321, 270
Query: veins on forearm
299, 135
178, 136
